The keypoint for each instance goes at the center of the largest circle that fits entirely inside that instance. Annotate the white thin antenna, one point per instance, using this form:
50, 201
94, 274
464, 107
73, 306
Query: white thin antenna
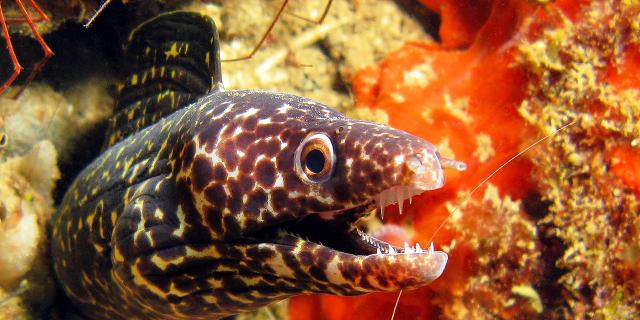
395, 307
97, 13
525, 150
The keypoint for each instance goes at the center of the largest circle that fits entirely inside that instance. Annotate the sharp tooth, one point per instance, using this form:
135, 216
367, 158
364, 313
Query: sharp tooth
391, 250
382, 211
399, 198
407, 248
378, 250
418, 248
431, 248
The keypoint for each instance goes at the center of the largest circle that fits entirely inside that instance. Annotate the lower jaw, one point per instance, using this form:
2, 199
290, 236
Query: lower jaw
330, 255
348, 262
320, 269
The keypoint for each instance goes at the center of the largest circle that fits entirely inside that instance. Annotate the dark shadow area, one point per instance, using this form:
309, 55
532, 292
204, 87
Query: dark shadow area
552, 250
429, 20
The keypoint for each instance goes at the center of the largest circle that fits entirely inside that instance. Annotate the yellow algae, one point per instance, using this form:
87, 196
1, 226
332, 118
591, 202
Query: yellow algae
591, 211
458, 107
484, 150
419, 75
501, 236
530, 294
426, 115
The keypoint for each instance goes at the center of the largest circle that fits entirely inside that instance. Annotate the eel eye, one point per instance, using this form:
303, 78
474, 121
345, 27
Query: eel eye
314, 158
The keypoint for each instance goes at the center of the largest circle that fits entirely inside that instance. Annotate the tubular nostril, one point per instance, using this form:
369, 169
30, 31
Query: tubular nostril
453, 164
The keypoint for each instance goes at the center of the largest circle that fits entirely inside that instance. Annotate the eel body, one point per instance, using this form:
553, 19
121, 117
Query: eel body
234, 200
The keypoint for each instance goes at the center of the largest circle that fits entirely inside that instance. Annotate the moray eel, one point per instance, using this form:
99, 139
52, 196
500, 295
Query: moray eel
207, 203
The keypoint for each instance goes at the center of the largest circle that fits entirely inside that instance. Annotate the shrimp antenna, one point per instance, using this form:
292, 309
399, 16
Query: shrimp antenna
321, 19
484, 181
395, 307
97, 13
272, 25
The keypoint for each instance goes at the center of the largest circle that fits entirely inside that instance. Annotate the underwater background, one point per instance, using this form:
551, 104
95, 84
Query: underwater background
554, 234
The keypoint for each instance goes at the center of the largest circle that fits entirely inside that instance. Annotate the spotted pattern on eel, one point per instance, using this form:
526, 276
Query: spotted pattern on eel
204, 208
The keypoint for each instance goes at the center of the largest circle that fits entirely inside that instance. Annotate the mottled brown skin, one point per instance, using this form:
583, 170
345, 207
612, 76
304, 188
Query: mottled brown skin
222, 206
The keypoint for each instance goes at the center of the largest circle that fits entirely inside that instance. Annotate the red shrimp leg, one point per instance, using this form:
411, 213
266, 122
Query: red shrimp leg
17, 68
45, 48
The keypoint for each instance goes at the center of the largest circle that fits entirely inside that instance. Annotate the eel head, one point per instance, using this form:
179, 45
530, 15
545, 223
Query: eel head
286, 180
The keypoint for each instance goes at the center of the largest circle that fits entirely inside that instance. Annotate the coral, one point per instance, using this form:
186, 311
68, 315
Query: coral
26, 286
555, 233
302, 57
40, 127
42, 113
581, 70
500, 253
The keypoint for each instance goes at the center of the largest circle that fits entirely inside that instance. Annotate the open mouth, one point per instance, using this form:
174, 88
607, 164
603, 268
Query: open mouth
326, 253
337, 230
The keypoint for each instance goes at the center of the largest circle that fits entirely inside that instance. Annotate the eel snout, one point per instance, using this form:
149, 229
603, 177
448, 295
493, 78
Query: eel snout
425, 173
